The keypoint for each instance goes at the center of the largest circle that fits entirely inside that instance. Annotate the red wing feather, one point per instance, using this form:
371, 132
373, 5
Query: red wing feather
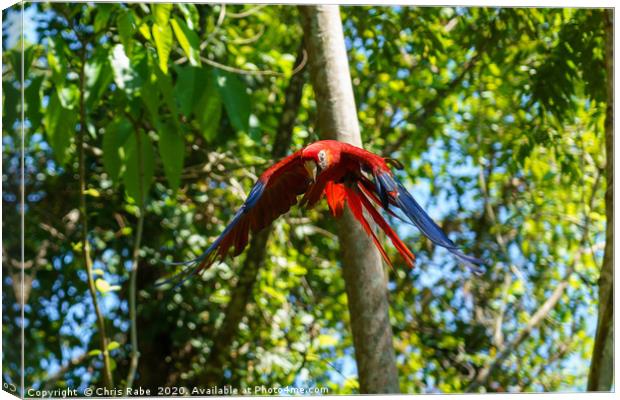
273, 194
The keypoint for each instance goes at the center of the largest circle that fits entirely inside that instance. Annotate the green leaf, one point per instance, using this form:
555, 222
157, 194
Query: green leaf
164, 84
11, 106
59, 123
69, 96
185, 89
103, 15
327, 340
236, 99
161, 12
187, 39
56, 60
112, 364
148, 90
92, 192
145, 31
131, 177
190, 12
126, 29
94, 352
102, 285
149, 93
277, 295
113, 345
114, 138
16, 60
98, 77
162, 34
210, 118
172, 152
208, 108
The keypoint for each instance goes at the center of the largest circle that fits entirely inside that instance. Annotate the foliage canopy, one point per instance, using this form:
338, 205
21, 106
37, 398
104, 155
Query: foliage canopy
496, 113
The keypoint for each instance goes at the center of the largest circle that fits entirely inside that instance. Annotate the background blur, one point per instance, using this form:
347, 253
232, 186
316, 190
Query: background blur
497, 114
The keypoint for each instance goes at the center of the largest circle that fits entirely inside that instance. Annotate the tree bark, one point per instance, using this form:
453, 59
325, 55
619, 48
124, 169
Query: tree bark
219, 355
601, 374
364, 275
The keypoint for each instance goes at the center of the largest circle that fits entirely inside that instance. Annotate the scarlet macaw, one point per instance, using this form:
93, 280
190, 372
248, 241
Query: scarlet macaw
344, 173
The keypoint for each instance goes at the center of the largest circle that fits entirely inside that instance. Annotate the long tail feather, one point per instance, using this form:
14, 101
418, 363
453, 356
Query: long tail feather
368, 188
405, 201
400, 246
355, 205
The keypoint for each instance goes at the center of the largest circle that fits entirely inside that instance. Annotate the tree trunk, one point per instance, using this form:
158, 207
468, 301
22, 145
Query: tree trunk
601, 369
363, 272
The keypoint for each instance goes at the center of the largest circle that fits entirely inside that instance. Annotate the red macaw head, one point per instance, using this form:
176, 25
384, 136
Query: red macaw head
319, 157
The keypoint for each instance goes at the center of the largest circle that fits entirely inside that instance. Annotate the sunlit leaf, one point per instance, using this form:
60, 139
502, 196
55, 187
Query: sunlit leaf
113, 345
187, 39
92, 192
327, 340
162, 34
102, 285
161, 12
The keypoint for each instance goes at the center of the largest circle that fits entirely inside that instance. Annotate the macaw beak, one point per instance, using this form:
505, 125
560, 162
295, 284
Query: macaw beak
311, 168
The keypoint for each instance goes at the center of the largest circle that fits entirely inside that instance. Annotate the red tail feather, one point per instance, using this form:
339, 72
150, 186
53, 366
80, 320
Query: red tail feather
400, 246
353, 198
335, 194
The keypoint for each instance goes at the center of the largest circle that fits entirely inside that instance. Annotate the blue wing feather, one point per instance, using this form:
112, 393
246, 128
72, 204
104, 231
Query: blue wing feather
410, 207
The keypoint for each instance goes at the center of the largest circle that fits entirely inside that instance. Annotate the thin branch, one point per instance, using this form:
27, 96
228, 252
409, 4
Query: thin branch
216, 28
135, 354
107, 370
556, 355
537, 318
251, 39
246, 13
240, 71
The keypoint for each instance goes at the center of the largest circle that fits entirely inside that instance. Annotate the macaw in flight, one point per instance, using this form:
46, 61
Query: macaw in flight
343, 173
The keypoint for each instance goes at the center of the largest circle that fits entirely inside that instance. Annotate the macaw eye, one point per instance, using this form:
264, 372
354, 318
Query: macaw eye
322, 159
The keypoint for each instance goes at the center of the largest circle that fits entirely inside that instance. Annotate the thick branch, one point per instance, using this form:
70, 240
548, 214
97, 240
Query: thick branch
601, 375
365, 279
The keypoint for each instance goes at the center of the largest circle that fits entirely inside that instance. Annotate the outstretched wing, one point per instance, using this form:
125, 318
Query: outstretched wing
273, 194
